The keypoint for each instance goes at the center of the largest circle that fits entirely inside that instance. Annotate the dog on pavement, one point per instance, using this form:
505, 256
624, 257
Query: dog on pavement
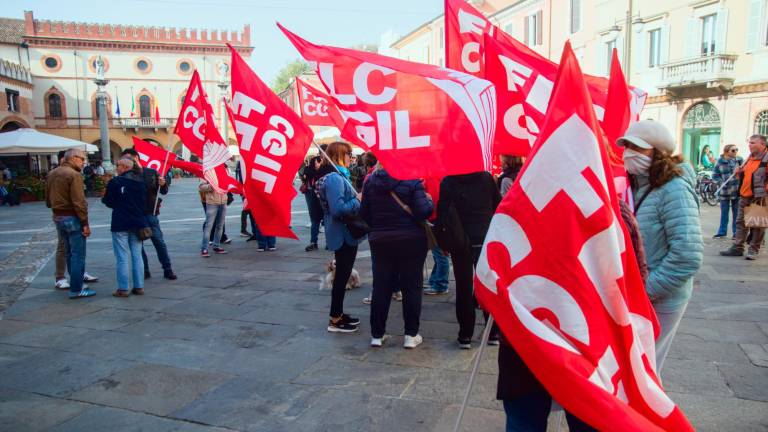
326, 282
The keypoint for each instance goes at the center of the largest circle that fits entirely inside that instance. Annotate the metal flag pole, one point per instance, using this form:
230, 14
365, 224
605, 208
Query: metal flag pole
162, 168
333, 164
729, 178
475, 368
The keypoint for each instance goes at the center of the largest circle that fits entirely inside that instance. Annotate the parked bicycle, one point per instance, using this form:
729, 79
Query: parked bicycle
706, 188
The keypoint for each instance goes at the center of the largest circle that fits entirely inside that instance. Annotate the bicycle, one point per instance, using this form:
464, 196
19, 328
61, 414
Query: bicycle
706, 188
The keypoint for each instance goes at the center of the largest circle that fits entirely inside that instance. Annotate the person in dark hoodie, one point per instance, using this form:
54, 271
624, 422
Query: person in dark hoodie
395, 210
126, 195
475, 197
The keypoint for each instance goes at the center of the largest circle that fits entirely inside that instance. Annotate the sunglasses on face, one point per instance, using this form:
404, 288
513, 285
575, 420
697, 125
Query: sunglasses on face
734, 150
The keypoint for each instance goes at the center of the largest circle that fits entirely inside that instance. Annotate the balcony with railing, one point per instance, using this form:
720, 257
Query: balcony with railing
714, 71
144, 122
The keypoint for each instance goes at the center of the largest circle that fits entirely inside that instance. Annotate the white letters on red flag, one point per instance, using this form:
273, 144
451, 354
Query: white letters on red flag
464, 30
273, 142
421, 121
569, 297
152, 156
316, 107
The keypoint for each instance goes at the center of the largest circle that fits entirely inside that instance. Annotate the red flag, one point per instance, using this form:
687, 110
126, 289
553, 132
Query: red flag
316, 107
273, 141
190, 167
618, 117
157, 114
570, 298
220, 173
523, 78
152, 156
421, 121
196, 126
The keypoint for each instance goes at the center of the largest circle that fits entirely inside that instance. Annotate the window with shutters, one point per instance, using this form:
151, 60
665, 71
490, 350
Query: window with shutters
12, 100
708, 34
654, 48
145, 107
575, 15
54, 106
533, 35
761, 123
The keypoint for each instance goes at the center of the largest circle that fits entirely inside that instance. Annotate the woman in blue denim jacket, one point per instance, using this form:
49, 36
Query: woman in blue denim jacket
729, 192
339, 199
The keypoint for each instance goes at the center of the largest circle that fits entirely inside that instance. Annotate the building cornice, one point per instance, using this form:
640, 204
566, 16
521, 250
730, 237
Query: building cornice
107, 45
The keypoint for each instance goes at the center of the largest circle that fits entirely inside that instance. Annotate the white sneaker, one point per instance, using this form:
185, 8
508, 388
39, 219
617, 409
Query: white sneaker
398, 296
89, 277
62, 284
368, 300
378, 342
412, 341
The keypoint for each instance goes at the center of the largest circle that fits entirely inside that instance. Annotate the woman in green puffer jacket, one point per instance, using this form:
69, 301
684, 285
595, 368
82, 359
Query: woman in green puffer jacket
667, 212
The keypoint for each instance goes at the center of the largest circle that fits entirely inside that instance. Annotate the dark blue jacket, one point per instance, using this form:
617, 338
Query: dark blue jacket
126, 196
387, 219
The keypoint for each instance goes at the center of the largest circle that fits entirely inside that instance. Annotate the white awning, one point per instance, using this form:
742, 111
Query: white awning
26, 140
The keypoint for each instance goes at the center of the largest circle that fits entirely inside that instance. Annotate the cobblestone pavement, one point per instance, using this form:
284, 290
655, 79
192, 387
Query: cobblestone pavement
239, 342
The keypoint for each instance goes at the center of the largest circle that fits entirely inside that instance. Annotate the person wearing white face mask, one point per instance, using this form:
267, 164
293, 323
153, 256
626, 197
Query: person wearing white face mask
667, 212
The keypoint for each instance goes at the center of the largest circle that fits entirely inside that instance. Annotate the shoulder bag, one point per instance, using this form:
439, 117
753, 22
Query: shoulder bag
431, 240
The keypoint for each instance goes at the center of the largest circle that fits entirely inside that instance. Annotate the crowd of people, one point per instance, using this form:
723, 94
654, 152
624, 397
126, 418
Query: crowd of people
360, 200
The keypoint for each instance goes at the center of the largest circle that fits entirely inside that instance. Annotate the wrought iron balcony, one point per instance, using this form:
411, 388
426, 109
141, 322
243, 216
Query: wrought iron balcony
144, 123
714, 71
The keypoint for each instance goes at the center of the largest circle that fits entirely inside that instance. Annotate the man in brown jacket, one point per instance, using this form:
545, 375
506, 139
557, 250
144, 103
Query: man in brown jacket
65, 196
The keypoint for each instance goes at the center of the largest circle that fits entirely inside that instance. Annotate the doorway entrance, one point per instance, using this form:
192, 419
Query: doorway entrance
701, 131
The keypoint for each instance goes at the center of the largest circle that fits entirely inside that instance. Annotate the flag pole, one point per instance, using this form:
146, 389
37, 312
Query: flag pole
333, 164
475, 368
165, 163
727, 180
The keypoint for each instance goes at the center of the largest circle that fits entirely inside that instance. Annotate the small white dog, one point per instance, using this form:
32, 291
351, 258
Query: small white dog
327, 281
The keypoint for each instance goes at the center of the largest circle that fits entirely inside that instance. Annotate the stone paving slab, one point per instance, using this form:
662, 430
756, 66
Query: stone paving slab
238, 343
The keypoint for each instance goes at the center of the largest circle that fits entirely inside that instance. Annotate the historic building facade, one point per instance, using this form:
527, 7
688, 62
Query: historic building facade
704, 63
148, 69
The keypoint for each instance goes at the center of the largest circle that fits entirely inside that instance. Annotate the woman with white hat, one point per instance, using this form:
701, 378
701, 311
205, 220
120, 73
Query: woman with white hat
667, 211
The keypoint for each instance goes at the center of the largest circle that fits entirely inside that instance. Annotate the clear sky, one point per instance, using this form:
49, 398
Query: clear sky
328, 22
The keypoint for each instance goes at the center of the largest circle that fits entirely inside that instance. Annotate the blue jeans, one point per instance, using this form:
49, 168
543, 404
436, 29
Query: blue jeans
214, 221
127, 248
265, 242
315, 214
438, 280
734, 207
71, 231
529, 413
159, 243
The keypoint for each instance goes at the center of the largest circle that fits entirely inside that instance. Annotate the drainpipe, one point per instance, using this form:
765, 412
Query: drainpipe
77, 90
628, 44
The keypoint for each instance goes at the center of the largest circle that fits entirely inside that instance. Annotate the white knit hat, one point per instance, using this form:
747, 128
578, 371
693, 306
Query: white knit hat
649, 134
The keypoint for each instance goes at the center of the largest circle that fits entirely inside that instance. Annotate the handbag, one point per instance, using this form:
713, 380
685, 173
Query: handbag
356, 225
756, 214
144, 233
431, 241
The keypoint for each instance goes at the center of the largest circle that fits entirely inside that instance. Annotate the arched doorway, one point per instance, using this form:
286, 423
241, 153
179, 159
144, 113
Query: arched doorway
11, 126
701, 128
114, 152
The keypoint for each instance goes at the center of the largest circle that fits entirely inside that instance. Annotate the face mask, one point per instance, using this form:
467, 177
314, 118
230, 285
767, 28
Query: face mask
635, 162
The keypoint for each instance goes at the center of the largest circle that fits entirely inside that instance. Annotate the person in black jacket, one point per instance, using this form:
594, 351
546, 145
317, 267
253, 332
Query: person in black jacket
475, 197
152, 180
395, 210
313, 171
126, 196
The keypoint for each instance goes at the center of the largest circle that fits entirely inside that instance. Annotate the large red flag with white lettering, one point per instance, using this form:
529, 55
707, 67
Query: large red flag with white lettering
152, 156
220, 174
273, 143
421, 121
558, 273
196, 126
523, 78
618, 117
316, 107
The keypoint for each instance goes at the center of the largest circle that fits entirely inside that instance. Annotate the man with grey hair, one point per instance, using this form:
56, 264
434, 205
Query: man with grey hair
65, 196
753, 188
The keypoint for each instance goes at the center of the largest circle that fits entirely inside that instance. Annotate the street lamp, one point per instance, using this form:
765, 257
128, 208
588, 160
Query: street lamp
101, 102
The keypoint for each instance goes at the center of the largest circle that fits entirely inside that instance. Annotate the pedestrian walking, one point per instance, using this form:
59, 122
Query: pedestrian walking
215, 205
339, 202
396, 211
752, 189
474, 198
153, 182
65, 196
126, 195
667, 212
729, 188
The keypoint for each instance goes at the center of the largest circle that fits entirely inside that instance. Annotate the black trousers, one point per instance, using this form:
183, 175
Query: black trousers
397, 264
464, 264
345, 260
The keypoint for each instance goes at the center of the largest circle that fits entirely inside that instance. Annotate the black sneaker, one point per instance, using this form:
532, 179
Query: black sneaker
341, 326
311, 247
464, 343
493, 340
350, 319
226, 240
147, 274
169, 274
732, 252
